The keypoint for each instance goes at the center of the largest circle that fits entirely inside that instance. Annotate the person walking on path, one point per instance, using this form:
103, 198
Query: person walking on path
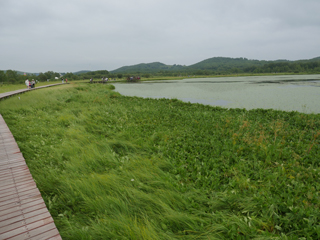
27, 83
33, 83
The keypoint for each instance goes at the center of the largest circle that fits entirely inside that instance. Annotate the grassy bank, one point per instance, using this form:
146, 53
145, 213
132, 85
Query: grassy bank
13, 87
115, 167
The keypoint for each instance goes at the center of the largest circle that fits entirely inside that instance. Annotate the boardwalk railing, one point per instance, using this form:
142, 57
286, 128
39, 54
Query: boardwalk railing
23, 213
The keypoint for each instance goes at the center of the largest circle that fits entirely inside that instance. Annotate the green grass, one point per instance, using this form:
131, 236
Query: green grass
13, 87
115, 167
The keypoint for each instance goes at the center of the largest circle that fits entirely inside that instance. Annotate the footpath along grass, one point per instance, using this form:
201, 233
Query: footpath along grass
13, 87
115, 167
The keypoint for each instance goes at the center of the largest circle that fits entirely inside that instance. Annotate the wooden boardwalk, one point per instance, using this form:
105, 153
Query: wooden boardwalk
23, 213
9, 94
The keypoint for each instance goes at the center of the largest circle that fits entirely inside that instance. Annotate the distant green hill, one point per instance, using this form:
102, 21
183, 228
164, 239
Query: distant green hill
316, 59
80, 72
147, 68
222, 65
215, 65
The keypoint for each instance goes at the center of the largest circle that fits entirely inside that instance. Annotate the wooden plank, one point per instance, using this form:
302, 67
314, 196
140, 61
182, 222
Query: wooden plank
33, 194
12, 156
14, 171
9, 147
17, 195
18, 187
17, 191
12, 165
13, 225
17, 203
53, 233
6, 156
11, 161
13, 174
31, 229
20, 207
22, 218
8, 140
23, 213
13, 180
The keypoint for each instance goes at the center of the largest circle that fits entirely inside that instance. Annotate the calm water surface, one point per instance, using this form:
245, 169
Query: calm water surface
289, 93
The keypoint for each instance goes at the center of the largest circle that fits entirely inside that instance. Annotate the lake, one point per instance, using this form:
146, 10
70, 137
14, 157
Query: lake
286, 92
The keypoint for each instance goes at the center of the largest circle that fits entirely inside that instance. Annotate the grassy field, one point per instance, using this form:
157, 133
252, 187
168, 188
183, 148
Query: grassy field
116, 167
13, 87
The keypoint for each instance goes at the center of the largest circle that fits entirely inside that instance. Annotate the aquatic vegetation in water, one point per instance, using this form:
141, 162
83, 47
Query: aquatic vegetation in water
115, 167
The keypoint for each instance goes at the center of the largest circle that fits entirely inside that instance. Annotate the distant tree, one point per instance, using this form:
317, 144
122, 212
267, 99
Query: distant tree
48, 75
198, 72
111, 75
12, 76
102, 72
29, 76
119, 75
235, 70
3, 77
70, 75
42, 77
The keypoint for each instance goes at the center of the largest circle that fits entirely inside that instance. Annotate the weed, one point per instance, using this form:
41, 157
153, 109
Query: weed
115, 167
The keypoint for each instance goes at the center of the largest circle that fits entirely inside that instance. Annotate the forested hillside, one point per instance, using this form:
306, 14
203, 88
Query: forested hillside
223, 65
148, 68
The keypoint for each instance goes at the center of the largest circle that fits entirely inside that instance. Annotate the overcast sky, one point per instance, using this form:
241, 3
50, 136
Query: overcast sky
73, 35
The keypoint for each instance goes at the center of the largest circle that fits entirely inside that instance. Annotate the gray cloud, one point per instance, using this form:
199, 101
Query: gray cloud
42, 35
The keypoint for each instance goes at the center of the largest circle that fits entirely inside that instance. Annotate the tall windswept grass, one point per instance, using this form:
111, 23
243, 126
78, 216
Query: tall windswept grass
114, 167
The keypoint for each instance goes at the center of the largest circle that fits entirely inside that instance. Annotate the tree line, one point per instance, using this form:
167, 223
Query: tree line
223, 65
13, 77
214, 66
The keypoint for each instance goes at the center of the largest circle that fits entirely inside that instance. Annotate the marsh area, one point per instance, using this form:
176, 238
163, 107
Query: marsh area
120, 167
286, 92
